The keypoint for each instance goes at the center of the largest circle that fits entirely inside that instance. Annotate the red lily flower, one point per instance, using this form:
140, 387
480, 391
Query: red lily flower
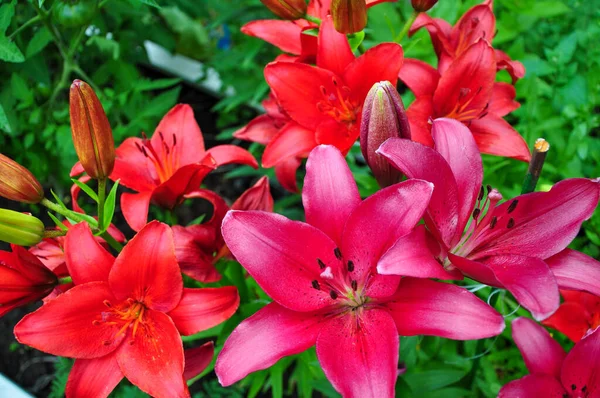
577, 315
23, 279
199, 247
465, 91
552, 372
500, 245
449, 42
125, 315
321, 276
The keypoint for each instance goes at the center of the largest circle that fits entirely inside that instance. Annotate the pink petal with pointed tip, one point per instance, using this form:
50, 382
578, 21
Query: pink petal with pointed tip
575, 271
533, 386
542, 354
581, 365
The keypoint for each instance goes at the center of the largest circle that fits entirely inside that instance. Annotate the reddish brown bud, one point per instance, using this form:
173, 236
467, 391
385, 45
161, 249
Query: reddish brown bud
91, 131
17, 183
257, 197
349, 16
286, 9
383, 117
423, 5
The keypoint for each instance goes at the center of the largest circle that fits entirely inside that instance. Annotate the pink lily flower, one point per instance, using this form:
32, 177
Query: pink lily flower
552, 372
500, 245
322, 277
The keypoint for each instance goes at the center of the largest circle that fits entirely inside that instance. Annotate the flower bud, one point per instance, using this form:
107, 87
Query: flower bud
20, 228
423, 5
286, 9
383, 117
91, 131
349, 16
257, 197
17, 183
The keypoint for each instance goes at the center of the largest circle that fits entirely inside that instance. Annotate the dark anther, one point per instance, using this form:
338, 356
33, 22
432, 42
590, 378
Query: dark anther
476, 213
350, 266
489, 188
334, 80
354, 285
481, 192
162, 137
512, 206
479, 89
511, 223
321, 263
166, 147
323, 90
144, 136
131, 342
144, 151
573, 387
333, 294
174, 139
315, 284
493, 222
584, 389
106, 342
107, 303
96, 322
338, 253
484, 114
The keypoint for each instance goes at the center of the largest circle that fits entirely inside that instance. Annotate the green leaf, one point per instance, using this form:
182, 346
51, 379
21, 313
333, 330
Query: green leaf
151, 3
159, 84
20, 89
356, 39
276, 377
197, 220
4, 124
109, 206
7, 11
58, 199
431, 380
85, 189
547, 9
106, 46
9, 51
58, 223
38, 42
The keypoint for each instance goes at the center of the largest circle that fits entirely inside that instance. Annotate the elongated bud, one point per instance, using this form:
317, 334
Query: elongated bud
383, 117
349, 16
20, 228
286, 9
17, 183
91, 131
257, 197
423, 5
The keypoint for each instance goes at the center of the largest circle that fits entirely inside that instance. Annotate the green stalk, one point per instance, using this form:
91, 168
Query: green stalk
25, 26
406, 26
54, 233
112, 241
538, 156
101, 202
66, 279
312, 19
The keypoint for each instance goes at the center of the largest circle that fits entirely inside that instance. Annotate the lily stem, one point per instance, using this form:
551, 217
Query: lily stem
312, 19
406, 26
101, 202
112, 241
54, 233
540, 150
65, 280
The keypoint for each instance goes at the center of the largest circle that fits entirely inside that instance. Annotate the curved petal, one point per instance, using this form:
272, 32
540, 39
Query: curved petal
261, 129
580, 368
257, 197
334, 51
420, 77
86, 259
422, 306
154, 362
515, 69
542, 354
132, 168
474, 270
533, 386
94, 377
419, 161
147, 270
282, 256
419, 114
75, 191
185, 180
227, 154
359, 354
202, 309
285, 172
378, 221
575, 271
284, 35
261, 340
194, 260
197, 359
64, 326
329, 194
438, 29
495, 136
529, 280
291, 141
570, 319
477, 23
503, 101
135, 208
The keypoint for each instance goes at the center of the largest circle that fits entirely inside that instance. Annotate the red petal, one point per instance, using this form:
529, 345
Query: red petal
63, 326
474, 270
281, 255
340, 135
226, 154
542, 354
154, 362
135, 208
86, 259
533, 386
431, 308
261, 340
503, 101
286, 173
75, 190
379, 63
570, 319
96, 377
147, 270
291, 141
76, 170
329, 194
438, 29
419, 113
185, 180
514, 68
334, 51
495, 136
283, 34
257, 197
420, 77
477, 23
132, 168
197, 359
261, 129
195, 260
575, 271
202, 309
580, 368
359, 353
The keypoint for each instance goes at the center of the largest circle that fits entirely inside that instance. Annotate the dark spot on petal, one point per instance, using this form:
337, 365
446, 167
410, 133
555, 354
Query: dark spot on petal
493, 222
350, 266
321, 263
333, 294
354, 285
573, 387
315, 284
511, 223
338, 253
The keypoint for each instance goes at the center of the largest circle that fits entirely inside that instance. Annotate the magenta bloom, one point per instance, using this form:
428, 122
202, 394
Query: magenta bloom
554, 374
322, 277
500, 245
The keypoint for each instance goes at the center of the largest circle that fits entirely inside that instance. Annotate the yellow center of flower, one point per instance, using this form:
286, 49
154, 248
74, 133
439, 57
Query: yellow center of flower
338, 103
128, 314
163, 158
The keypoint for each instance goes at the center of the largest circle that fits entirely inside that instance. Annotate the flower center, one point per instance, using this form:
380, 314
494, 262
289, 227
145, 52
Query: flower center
461, 111
162, 158
338, 104
128, 314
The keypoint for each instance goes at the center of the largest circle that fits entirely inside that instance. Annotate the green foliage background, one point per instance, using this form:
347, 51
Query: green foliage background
557, 40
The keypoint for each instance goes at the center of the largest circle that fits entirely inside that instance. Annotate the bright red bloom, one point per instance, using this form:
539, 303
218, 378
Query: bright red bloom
199, 247
465, 91
500, 245
23, 279
449, 42
326, 291
553, 373
577, 315
125, 315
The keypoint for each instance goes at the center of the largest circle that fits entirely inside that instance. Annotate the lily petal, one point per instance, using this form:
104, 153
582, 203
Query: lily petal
284, 35
132, 168
185, 180
580, 368
419, 113
193, 259
197, 359
286, 173
227, 154
261, 129
86, 259
334, 51
291, 141
135, 208
503, 99
420, 77
533, 386
575, 271
570, 319
96, 377
542, 354
495, 136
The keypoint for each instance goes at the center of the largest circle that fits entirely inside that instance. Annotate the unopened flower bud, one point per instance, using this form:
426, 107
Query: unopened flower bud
91, 131
17, 183
423, 5
383, 117
349, 16
286, 9
257, 197
20, 228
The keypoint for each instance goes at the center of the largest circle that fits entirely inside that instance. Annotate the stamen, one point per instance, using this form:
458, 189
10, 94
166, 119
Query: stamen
481, 192
511, 223
354, 285
493, 222
321, 263
350, 266
96, 323
107, 342
338, 253
174, 139
573, 387
333, 294
107, 303
315, 284
512, 206
489, 188
476, 213
144, 136
166, 147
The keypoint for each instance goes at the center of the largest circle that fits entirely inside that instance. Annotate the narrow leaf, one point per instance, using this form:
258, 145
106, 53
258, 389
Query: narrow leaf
109, 206
85, 189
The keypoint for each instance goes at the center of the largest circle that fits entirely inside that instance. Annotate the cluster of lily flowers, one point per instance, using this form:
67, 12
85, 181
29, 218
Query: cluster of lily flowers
358, 273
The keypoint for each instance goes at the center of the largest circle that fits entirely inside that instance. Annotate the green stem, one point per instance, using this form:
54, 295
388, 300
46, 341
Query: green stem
406, 26
101, 202
112, 241
54, 233
312, 19
65, 280
62, 211
538, 156
33, 20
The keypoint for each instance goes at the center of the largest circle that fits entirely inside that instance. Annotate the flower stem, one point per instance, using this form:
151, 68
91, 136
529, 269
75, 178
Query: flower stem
25, 26
54, 233
65, 280
540, 149
101, 202
312, 19
406, 26
62, 211
112, 241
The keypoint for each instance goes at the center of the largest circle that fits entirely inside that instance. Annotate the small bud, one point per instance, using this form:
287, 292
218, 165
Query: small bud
423, 5
349, 16
257, 197
20, 228
286, 9
91, 131
383, 117
17, 183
